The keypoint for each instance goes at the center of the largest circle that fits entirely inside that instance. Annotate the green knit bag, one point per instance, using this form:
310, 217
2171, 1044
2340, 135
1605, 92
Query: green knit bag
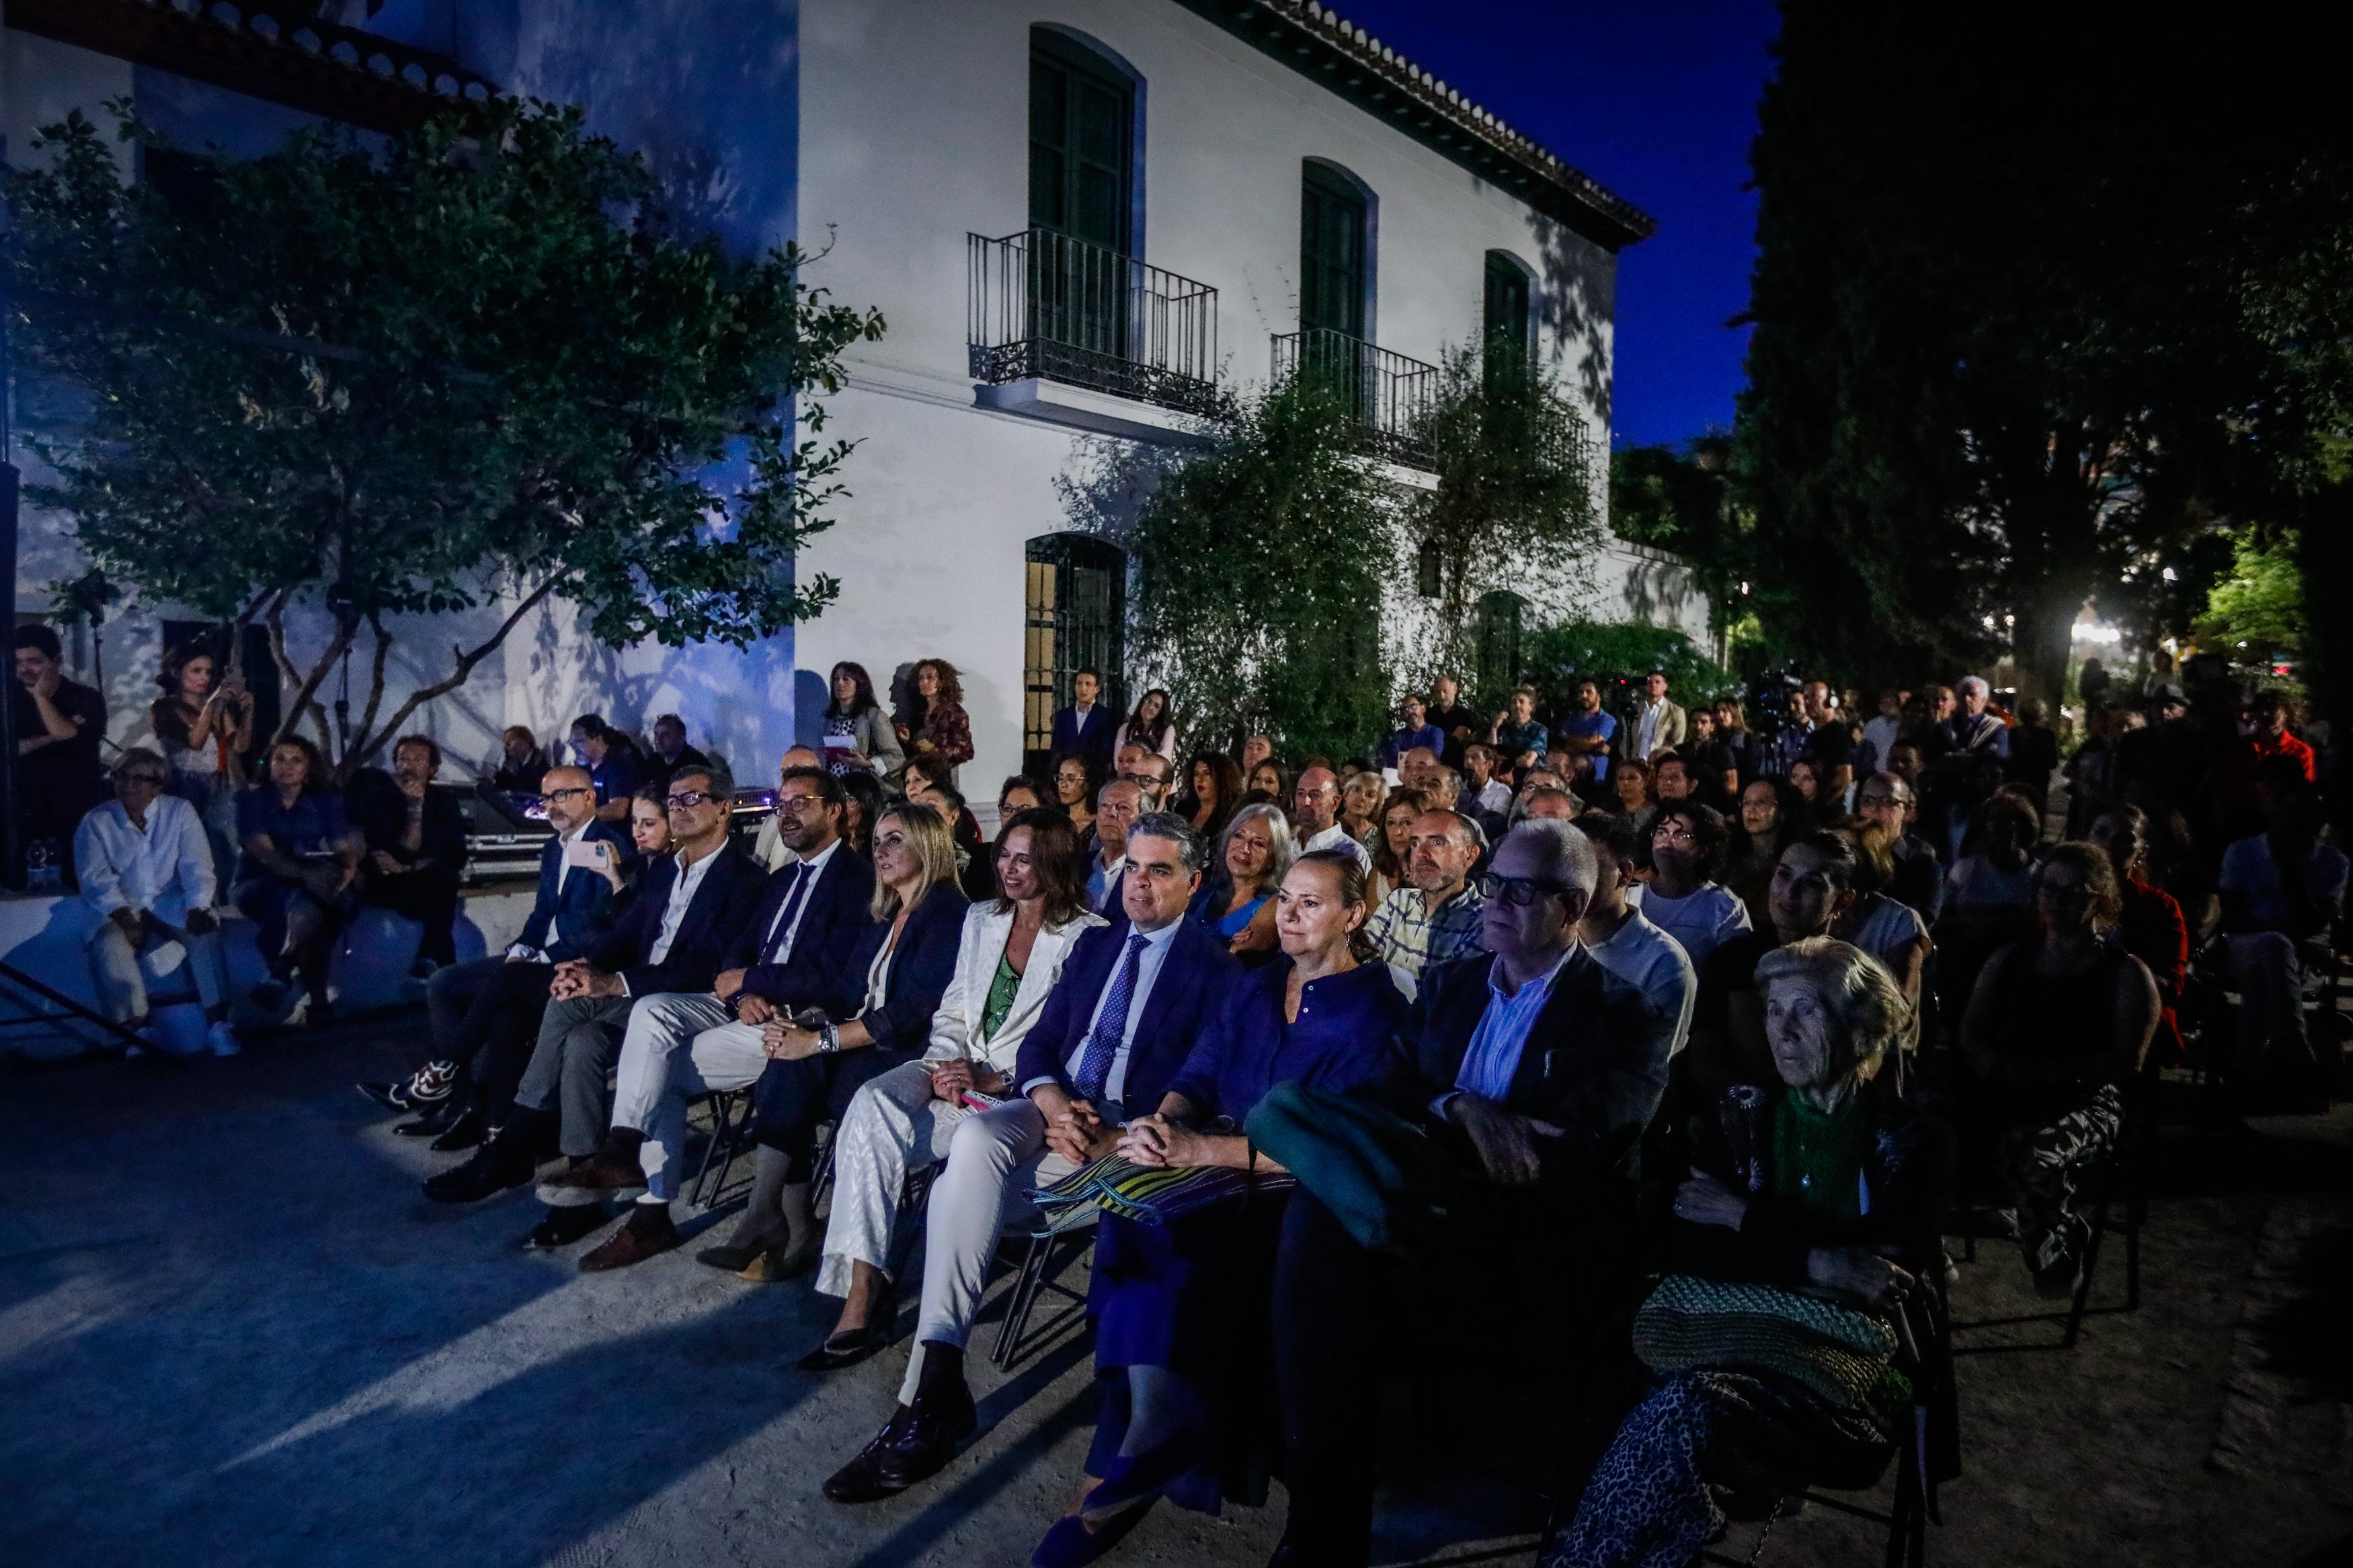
1844, 1355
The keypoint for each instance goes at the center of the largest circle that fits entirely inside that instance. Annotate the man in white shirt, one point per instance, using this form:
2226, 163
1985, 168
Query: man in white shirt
1316, 817
1622, 939
1687, 848
145, 867
1660, 725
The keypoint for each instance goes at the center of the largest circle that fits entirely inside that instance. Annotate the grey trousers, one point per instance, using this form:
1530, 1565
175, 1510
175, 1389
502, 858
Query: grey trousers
122, 976
579, 1041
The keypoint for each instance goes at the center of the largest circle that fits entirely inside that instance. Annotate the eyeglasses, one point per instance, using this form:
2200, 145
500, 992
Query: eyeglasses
1672, 833
1519, 891
794, 804
570, 790
154, 781
687, 800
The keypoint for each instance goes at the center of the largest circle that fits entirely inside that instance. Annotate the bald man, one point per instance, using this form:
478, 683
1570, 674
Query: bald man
1316, 817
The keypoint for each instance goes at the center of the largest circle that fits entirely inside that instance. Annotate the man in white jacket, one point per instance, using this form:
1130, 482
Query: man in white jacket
146, 868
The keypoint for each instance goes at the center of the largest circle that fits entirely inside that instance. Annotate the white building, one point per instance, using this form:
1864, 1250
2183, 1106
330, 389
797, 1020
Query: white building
1079, 217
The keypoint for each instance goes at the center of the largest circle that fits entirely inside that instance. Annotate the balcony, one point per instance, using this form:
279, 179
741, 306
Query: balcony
1387, 394
1046, 307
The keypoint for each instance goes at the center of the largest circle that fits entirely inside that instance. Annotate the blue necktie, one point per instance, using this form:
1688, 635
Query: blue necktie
782, 940
1095, 1067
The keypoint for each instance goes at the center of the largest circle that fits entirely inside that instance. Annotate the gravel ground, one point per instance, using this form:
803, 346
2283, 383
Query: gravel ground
232, 1332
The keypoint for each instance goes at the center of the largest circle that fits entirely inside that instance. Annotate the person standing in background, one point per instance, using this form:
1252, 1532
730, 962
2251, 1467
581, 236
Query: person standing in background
60, 724
1658, 724
205, 726
1085, 728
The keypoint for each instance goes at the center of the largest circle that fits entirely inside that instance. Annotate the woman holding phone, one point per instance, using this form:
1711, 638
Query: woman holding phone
204, 724
858, 731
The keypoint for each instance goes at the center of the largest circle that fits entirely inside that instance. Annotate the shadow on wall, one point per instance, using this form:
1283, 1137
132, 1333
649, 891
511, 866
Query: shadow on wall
1659, 592
1577, 285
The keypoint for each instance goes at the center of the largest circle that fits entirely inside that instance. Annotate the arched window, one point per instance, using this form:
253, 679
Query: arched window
1077, 606
1335, 250
1506, 328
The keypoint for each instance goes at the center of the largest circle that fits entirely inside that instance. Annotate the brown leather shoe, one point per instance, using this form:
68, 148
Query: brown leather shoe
778, 1264
601, 1178
637, 1239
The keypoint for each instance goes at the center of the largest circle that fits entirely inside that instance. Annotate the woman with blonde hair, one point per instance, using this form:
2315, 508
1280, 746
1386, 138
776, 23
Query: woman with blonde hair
877, 1014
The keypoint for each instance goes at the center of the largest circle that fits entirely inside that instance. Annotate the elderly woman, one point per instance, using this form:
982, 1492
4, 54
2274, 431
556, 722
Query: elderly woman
1237, 898
1181, 1356
1361, 795
858, 731
877, 1014
2057, 1024
1815, 1201
294, 879
1007, 958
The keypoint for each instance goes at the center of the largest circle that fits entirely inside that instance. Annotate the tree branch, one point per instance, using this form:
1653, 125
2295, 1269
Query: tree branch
466, 661
376, 675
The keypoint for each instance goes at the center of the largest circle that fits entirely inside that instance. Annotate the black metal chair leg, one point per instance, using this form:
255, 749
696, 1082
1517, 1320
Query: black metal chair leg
1017, 1307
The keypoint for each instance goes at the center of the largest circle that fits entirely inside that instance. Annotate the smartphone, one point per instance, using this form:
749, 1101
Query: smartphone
841, 742
593, 854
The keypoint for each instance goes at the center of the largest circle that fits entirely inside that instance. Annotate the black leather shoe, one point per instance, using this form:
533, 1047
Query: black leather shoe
462, 1131
936, 1424
860, 1481
565, 1226
847, 1348
498, 1164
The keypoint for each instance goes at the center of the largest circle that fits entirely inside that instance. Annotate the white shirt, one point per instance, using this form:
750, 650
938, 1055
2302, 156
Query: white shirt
1147, 969
518, 950
1100, 880
681, 894
1493, 1058
166, 870
1646, 736
1336, 837
1654, 963
1700, 923
798, 902
1495, 797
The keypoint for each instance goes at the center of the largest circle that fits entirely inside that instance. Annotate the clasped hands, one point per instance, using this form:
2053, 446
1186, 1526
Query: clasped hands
1854, 1271
574, 977
1505, 1140
954, 1076
749, 1008
1074, 1128
1154, 1141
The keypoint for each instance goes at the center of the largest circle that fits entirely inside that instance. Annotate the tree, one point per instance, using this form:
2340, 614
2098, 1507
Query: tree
2260, 605
470, 367
1258, 568
1682, 500
1513, 508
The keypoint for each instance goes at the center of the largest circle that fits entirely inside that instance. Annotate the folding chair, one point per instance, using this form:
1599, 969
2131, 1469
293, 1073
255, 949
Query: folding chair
2119, 1174
1051, 1245
729, 1133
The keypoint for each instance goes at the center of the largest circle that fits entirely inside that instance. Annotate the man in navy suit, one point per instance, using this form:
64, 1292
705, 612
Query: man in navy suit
1534, 1072
485, 1014
1115, 1028
673, 938
687, 1042
1085, 728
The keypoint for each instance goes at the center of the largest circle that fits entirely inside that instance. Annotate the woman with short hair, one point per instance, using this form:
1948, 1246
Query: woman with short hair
1009, 952
1361, 796
1237, 897
858, 733
877, 1014
1815, 1205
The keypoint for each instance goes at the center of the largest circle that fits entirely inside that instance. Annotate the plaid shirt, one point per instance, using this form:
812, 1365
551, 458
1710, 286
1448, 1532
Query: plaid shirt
1410, 939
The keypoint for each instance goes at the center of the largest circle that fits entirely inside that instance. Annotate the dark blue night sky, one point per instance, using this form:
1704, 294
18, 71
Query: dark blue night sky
1659, 103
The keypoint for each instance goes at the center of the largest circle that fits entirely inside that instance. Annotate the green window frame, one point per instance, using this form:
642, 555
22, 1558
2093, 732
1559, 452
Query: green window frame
1333, 233
1082, 144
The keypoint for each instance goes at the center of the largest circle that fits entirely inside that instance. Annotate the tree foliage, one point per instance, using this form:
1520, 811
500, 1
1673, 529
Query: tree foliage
1681, 499
470, 367
2260, 605
1558, 655
1258, 568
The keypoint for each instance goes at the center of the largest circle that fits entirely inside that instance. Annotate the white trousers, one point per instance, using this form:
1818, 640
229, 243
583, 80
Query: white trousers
677, 1046
894, 1124
124, 972
995, 1158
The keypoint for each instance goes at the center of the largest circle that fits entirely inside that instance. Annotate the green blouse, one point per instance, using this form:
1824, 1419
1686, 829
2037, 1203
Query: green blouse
1002, 989
1818, 1156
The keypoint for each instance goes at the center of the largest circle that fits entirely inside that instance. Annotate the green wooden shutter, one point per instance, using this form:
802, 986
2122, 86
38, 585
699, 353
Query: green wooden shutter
1330, 254
1082, 117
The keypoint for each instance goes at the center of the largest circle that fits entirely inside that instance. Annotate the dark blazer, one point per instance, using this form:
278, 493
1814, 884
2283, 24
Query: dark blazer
920, 973
1089, 737
832, 924
377, 808
721, 904
1187, 993
1595, 1063
580, 903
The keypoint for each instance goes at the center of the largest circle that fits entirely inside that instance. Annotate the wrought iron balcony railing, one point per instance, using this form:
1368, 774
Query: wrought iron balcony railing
1044, 304
1387, 394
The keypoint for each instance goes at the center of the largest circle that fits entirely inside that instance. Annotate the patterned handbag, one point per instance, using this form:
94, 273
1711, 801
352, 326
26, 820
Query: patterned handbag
1844, 1355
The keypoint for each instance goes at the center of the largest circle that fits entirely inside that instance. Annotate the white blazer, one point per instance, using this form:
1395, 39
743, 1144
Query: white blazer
955, 1026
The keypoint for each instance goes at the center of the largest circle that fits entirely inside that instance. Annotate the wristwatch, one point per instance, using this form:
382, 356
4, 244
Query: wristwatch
828, 1039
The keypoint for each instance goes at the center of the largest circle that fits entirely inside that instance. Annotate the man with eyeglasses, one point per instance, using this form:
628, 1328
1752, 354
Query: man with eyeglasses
1149, 772
1436, 918
1688, 841
147, 872
1534, 1071
485, 1014
1886, 804
673, 937
680, 1044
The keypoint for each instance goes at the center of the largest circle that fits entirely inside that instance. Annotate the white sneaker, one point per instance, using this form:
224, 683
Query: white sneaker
223, 1040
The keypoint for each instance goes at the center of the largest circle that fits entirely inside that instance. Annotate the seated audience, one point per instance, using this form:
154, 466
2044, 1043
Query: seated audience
1989, 893
1246, 866
1683, 898
1825, 1213
1549, 801
1454, 719
1393, 841
1266, 779
1588, 731
2150, 926
1150, 773
1076, 780
415, 838
484, 1015
1213, 789
1256, 749
1182, 1358
793, 954
613, 765
1974, 728
1621, 939
1527, 1078
768, 847
1771, 816
1811, 889
672, 938
1008, 956
60, 724
1807, 779
1436, 916
294, 878
146, 871
1117, 805
1416, 731
1361, 795
929, 781
1629, 783
2057, 1026
944, 736
520, 765
1915, 878
858, 731
1519, 737
1315, 816
1485, 796
1151, 726
863, 802
1883, 925
2282, 891
1117, 1026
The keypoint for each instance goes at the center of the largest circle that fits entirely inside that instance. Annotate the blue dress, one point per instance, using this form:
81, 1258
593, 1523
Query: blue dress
1195, 1296
1225, 926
